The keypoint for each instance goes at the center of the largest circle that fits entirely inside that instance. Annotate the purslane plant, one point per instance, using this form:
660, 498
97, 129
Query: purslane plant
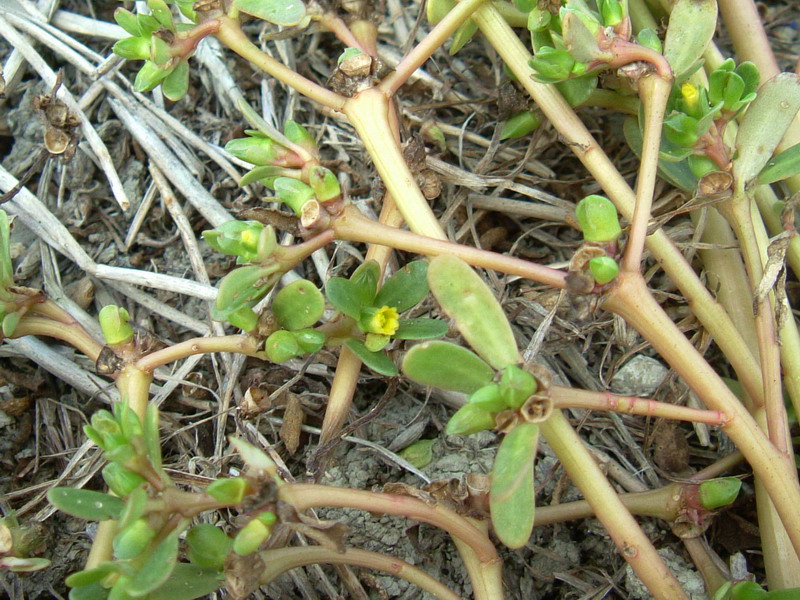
137, 554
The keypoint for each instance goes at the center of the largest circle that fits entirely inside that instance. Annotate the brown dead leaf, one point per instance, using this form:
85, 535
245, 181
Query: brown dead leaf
293, 418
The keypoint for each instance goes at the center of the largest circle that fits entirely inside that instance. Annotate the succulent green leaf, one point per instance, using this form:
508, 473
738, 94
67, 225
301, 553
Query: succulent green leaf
489, 398
716, 493
577, 90
157, 568
244, 317
520, 125
208, 546
286, 13
188, 582
437, 10
149, 76
256, 150
299, 305
682, 130
160, 51
187, 9
649, 39
764, 124
782, 166
135, 508
701, 165
152, 439
132, 48
243, 288
176, 84
375, 342
128, 420
447, 366
17, 564
229, 490
344, 295
539, 19
161, 12
750, 590
407, 287
516, 386
147, 24
281, 346
691, 26
120, 480
250, 538
309, 340
10, 322
420, 329
115, 326
469, 419
579, 38
134, 539
86, 504
462, 36
464, 297
267, 174
94, 591
6, 268
366, 278
612, 11
604, 269
511, 494
325, 185
253, 457
128, 21
598, 219
377, 361
525, 5
297, 134
419, 454
551, 64
751, 77
292, 192
90, 576
94, 436
348, 54
237, 238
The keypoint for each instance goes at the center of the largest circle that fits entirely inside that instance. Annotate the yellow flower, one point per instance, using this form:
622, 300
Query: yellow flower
249, 239
691, 97
385, 321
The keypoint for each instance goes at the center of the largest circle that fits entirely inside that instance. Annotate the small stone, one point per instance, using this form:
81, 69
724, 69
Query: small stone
640, 376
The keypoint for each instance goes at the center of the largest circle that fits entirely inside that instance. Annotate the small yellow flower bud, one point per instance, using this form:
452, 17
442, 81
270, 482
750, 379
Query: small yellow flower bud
385, 321
250, 239
691, 97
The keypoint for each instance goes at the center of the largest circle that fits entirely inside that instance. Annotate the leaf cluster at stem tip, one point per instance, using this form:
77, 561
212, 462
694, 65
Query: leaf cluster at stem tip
375, 313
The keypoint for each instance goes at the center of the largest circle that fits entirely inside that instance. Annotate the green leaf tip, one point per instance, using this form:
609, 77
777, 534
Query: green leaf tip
511, 493
114, 325
465, 297
598, 219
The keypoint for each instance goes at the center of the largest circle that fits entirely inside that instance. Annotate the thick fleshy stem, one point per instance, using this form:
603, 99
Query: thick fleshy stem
353, 226
564, 397
280, 560
423, 51
564, 119
633, 544
304, 496
654, 92
230, 33
631, 300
